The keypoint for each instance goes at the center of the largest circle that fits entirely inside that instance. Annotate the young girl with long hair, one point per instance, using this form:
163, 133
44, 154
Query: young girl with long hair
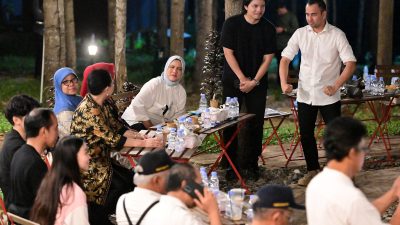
60, 199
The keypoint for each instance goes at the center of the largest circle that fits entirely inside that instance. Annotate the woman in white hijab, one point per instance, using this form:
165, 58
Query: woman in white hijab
161, 99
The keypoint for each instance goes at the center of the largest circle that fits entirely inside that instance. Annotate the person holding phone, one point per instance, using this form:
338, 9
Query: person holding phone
184, 191
151, 175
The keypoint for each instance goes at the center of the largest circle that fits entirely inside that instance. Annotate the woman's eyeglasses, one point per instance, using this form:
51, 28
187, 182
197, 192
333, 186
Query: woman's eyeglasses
69, 82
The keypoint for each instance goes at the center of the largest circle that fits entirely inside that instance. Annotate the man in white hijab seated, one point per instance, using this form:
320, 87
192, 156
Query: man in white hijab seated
161, 99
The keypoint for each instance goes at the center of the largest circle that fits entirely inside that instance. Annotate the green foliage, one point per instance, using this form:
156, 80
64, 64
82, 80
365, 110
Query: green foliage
5, 126
14, 86
17, 64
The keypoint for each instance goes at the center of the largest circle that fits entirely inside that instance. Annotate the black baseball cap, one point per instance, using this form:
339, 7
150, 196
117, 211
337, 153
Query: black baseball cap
154, 162
276, 196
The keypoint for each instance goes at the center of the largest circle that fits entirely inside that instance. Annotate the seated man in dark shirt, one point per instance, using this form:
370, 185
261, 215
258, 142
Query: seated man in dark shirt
16, 110
28, 166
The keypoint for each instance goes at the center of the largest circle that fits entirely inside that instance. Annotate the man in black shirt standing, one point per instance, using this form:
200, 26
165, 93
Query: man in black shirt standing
28, 166
16, 110
249, 43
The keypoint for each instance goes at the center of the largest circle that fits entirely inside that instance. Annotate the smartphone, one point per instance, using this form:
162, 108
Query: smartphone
191, 185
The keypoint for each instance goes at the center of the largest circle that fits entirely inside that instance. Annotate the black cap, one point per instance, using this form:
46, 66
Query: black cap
154, 162
276, 196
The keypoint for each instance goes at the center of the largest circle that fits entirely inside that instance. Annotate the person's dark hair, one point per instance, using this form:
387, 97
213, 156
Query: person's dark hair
64, 171
342, 134
98, 80
281, 4
36, 119
178, 173
247, 2
20, 106
321, 4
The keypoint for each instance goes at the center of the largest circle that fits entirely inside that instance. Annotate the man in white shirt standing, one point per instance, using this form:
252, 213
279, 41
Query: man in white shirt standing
150, 178
175, 207
331, 197
323, 47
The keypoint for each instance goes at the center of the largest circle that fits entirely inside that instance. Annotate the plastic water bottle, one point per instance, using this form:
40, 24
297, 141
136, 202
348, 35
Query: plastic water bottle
180, 141
381, 86
231, 111
189, 125
203, 169
206, 118
249, 211
214, 183
367, 82
373, 84
181, 123
171, 139
237, 110
365, 72
159, 132
203, 103
227, 101
204, 178
354, 80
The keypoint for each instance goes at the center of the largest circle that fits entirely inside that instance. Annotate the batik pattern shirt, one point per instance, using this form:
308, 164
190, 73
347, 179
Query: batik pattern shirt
102, 131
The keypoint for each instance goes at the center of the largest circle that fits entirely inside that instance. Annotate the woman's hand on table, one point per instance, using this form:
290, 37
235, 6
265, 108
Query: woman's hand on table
134, 135
153, 143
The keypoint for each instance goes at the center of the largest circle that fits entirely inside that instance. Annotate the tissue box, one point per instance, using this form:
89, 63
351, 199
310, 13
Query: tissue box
218, 115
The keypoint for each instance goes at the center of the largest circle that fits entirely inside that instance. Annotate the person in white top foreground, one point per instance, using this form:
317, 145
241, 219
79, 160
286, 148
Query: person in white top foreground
274, 205
174, 208
323, 47
150, 178
161, 99
331, 197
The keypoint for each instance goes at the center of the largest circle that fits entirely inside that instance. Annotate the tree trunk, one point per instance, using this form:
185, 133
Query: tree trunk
120, 35
385, 32
204, 23
111, 28
360, 26
52, 44
162, 21
70, 33
334, 11
61, 15
177, 27
233, 7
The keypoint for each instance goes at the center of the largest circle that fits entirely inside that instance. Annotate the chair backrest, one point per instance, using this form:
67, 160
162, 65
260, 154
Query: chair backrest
387, 71
20, 220
123, 100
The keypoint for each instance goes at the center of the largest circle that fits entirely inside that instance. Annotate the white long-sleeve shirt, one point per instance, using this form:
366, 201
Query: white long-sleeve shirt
153, 99
321, 56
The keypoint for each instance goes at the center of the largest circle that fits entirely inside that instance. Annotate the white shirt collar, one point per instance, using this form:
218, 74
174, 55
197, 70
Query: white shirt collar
144, 191
327, 27
339, 175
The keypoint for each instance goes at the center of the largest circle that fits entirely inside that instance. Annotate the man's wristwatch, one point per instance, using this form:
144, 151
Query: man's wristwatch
257, 82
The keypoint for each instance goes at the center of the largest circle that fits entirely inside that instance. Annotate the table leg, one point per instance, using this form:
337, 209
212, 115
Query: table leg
379, 129
223, 147
274, 133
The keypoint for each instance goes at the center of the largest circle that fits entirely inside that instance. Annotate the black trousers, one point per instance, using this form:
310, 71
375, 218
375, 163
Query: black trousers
307, 119
246, 157
121, 183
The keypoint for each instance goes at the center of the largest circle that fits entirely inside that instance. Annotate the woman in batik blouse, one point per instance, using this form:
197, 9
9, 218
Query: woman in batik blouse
93, 121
